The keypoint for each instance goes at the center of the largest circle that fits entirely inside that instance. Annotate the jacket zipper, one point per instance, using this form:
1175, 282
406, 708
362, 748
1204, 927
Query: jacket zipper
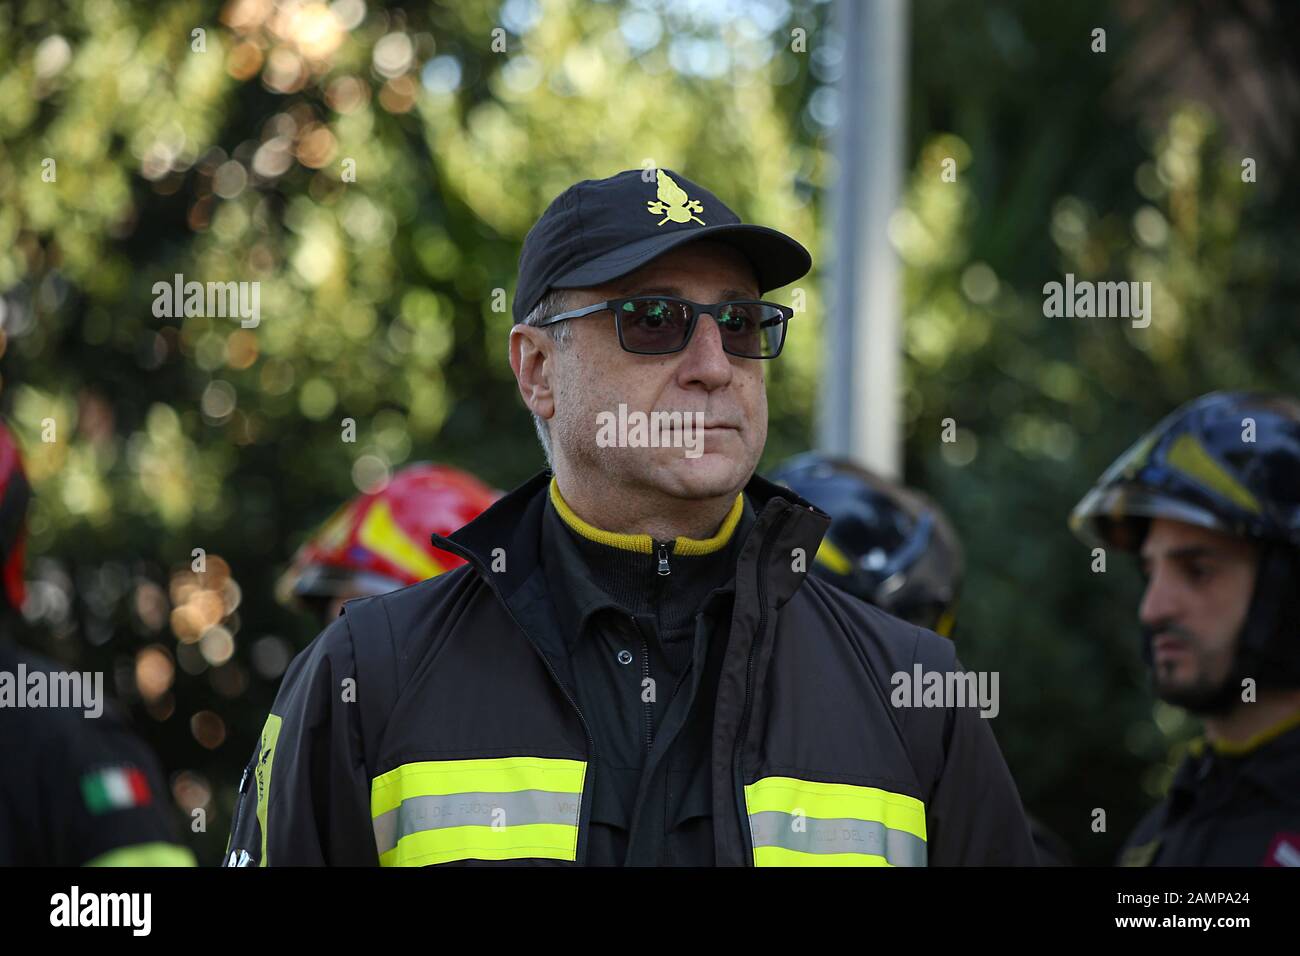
663, 570
746, 833
588, 786
647, 708
239, 812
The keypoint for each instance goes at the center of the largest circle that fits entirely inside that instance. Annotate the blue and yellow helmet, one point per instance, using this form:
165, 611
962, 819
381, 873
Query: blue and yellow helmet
888, 545
1228, 461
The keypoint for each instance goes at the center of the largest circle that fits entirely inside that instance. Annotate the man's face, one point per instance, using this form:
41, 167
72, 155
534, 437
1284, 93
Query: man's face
592, 375
1199, 587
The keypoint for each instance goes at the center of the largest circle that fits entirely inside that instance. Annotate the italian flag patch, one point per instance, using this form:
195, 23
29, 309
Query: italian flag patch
115, 788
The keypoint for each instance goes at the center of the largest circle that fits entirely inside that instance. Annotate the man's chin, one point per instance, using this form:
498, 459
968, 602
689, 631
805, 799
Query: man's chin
706, 476
1198, 697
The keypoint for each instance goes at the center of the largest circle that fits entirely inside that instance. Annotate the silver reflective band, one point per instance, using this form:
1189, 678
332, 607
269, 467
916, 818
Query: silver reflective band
815, 835
516, 808
239, 858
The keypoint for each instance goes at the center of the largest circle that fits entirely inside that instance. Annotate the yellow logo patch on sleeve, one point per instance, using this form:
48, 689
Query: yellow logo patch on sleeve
265, 758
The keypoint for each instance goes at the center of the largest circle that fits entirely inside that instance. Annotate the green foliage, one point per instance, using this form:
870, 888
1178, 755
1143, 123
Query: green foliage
379, 297
1057, 176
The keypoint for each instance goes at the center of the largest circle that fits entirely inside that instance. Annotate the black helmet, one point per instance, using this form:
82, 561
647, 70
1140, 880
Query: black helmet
888, 545
1228, 461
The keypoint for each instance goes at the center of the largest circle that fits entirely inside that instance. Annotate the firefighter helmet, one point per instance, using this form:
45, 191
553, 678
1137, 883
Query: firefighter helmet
379, 542
1230, 462
887, 544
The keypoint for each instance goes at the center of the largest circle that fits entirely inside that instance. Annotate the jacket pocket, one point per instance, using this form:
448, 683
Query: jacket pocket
612, 800
690, 796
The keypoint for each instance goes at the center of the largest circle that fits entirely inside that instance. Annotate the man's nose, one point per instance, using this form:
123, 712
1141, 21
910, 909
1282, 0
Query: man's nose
705, 361
1159, 602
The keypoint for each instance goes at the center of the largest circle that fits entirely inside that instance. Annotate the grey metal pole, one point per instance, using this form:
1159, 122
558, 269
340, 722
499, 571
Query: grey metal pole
859, 414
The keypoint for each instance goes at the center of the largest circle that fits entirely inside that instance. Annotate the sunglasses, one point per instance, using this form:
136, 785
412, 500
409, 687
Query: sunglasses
662, 324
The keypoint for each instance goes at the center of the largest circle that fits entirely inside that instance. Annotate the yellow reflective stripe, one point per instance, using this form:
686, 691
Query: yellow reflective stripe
796, 822
780, 856
420, 810
1188, 456
146, 854
381, 534
547, 841
431, 778
833, 558
832, 801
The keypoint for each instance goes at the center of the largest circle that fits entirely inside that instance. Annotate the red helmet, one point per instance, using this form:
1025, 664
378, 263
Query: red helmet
14, 495
380, 542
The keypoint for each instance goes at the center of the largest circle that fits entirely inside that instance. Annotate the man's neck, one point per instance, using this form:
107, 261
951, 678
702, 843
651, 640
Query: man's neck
662, 517
1253, 720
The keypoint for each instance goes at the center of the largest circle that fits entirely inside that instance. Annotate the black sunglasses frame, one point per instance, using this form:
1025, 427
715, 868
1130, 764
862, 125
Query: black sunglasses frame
697, 308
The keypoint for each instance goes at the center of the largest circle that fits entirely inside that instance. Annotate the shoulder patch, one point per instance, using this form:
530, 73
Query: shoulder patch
115, 788
262, 774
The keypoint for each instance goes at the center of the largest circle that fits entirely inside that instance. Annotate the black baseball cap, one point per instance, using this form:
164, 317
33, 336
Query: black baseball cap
600, 229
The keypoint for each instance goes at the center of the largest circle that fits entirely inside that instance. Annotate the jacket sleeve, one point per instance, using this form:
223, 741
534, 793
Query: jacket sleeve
975, 816
78, 786
304, 799
101, 821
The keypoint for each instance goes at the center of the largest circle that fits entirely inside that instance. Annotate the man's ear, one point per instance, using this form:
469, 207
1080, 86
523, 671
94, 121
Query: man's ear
532, 352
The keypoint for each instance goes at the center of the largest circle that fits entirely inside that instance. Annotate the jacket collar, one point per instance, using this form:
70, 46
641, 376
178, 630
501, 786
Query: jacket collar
504, 540
643, 543
1266, 759
587, 575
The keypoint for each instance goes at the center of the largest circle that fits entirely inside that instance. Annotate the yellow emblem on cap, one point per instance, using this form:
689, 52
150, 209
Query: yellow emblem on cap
673, 203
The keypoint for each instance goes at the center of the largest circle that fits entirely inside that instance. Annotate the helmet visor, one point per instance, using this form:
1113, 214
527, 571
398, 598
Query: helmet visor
1102, 514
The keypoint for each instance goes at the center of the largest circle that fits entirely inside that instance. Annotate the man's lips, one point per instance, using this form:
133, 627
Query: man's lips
1166, 645
688, 420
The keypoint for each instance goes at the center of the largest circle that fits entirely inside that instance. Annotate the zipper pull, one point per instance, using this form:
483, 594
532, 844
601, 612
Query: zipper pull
664, 569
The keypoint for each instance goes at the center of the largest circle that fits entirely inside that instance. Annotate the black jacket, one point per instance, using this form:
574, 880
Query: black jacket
437, 724
78, 790
1227, 809
645, 649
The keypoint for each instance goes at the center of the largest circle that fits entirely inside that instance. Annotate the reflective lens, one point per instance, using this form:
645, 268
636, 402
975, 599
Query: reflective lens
751, 329
654, 325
